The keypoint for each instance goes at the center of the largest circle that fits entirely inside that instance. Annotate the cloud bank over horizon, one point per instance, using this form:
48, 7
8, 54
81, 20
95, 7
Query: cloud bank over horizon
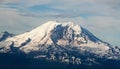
102, 17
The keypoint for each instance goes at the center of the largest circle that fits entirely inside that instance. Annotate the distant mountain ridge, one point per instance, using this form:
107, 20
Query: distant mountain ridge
4, 35
67, 43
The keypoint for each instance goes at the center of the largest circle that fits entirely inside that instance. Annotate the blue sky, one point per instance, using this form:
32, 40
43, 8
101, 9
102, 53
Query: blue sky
101, 17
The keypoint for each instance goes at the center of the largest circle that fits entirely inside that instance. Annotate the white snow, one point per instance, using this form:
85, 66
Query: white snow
42, 35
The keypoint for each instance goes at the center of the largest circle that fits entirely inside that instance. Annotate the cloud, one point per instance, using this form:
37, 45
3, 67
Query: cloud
27, 2
11, 20
103, 21
67, 7
9, 1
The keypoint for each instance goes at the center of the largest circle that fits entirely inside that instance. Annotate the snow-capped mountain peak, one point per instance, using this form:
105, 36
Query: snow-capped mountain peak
49, 32
57, 37
54, 32
60, 42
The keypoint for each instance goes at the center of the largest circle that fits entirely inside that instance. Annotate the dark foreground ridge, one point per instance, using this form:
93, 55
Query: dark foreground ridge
12, 61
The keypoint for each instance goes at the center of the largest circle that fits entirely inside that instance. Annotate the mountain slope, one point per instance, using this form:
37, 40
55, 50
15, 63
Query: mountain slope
5, 35
64, 42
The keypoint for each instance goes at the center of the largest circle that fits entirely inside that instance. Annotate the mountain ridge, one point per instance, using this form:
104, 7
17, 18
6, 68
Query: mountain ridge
56, 33
63, 42
4, 35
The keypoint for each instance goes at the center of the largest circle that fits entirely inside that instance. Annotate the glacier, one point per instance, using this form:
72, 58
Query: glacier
64, 42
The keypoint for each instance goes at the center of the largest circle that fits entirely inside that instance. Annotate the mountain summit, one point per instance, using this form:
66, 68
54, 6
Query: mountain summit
64, 42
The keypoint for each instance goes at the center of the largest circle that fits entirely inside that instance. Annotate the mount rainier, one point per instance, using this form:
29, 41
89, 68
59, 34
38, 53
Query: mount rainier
64, 43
